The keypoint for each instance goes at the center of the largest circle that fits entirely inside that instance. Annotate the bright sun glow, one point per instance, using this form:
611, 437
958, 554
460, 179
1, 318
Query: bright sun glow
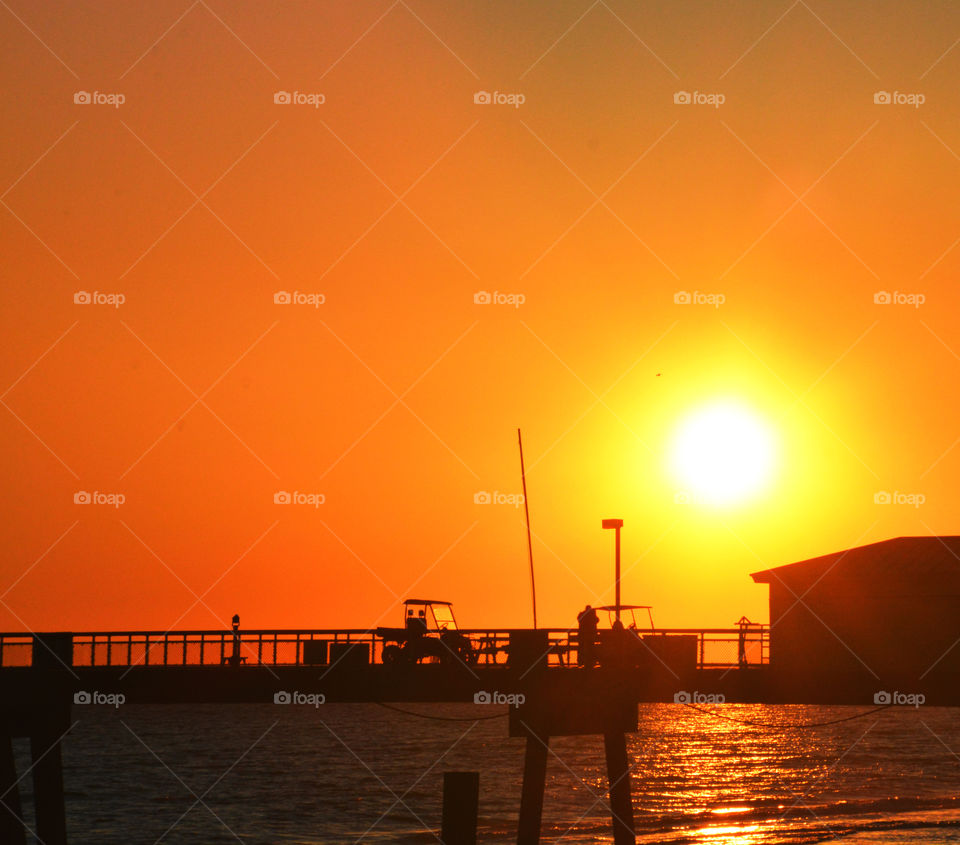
722, 454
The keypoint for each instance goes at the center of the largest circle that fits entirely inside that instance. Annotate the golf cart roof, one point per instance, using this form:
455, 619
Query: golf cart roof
612, 607
427, 601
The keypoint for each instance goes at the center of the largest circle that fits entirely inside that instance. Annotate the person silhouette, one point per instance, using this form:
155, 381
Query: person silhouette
587, 623
616, 652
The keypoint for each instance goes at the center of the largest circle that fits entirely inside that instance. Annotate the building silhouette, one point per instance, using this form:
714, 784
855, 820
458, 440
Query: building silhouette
888, 611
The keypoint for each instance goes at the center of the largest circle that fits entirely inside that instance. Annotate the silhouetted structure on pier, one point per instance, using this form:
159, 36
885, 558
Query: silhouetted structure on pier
888, 611
43, 675
846, 628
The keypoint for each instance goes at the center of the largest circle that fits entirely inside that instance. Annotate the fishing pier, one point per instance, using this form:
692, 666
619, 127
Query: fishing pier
48, 677
874, 626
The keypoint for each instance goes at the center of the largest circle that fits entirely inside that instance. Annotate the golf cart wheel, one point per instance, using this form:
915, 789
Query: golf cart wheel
390, 655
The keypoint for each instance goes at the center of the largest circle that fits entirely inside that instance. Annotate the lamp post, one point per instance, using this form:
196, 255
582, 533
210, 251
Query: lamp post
616, 524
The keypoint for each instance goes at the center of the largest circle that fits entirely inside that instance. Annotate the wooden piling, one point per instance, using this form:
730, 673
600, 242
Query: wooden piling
48, 794
618, 775
11, 814
534, 783
52, 659
461, 798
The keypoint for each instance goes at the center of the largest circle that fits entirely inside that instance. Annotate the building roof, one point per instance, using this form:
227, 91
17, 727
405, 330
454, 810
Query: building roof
909, 564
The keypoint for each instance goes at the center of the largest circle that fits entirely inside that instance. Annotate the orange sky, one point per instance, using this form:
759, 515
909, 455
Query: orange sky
597, 200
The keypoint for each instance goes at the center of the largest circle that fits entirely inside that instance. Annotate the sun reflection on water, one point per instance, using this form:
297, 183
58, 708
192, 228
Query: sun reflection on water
728, 835
705, 780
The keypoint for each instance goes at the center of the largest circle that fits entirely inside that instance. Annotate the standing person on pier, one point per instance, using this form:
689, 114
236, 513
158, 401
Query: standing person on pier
587, 623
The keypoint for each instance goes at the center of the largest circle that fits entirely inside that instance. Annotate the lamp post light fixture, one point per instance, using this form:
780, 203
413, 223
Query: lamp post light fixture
616, 524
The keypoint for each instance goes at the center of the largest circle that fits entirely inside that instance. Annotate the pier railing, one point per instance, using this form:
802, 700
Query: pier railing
716, 648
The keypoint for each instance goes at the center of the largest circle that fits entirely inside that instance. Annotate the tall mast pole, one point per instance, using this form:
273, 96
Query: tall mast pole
526, 510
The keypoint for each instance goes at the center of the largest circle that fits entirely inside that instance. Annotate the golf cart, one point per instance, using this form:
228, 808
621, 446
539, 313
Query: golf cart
632, 625
622, 645
429, 632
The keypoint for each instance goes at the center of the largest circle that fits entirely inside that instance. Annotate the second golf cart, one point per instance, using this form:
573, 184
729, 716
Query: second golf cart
429, 633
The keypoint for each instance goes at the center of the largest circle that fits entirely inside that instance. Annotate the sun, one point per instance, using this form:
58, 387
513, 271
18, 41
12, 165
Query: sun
722, 454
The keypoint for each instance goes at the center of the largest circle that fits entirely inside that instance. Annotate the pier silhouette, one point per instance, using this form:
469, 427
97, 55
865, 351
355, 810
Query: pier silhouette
538, 672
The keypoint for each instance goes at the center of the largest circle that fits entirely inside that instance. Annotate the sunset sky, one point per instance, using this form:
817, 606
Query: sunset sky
787, 242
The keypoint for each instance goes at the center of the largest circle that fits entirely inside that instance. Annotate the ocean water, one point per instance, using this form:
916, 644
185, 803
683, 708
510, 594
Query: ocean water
365, 774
